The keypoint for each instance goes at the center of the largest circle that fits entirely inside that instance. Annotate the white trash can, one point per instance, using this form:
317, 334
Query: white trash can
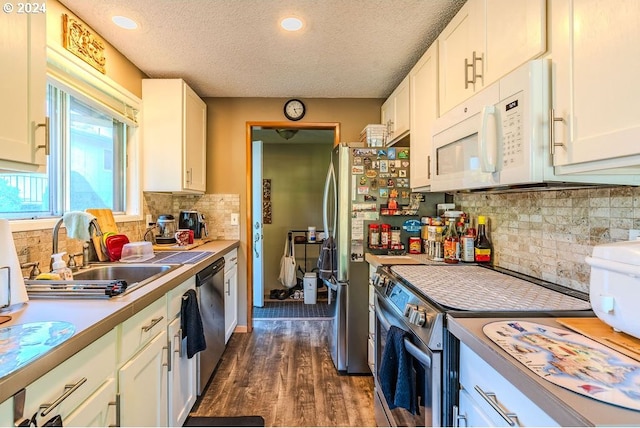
310, 282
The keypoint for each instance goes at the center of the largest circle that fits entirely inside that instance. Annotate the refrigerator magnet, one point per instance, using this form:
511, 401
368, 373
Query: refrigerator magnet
403, 154
391, 153
357, 161
363, 190
370, 198
374, 184
405, 164
371, 173
367, 162
384, 193
391, 183
357, 169
384, 166
402, 173
363, 180
382, 153
382, 182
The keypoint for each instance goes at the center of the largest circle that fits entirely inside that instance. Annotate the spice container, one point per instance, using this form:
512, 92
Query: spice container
385, 236
374, 236
415, 245
395, 238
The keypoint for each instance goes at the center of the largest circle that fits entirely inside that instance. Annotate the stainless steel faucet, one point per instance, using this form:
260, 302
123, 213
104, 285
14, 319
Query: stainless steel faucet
56, 231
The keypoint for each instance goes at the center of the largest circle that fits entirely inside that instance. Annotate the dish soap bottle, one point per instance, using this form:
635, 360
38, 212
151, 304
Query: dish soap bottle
60, 267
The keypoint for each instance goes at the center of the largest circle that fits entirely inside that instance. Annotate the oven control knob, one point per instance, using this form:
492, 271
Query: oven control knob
409, 309
421, 317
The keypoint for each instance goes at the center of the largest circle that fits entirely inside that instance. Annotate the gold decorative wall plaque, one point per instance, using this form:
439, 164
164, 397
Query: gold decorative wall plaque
80, 41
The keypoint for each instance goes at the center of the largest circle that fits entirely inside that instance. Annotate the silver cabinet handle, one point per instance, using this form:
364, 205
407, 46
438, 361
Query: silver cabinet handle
152, 324
178, 335
457, 417
47, 139
255, 246
468, 66
552, 134
228, 292
168, 353
429, 167
69, 389
491, 398
116, 403
475, 60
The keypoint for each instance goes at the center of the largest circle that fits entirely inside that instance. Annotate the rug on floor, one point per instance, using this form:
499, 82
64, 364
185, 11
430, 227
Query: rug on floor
294, 309
224, 421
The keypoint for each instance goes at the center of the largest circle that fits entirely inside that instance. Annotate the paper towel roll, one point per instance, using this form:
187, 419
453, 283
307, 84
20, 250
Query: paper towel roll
9, 257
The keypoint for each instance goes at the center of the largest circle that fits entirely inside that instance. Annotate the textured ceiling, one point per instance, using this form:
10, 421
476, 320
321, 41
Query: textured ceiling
235, 48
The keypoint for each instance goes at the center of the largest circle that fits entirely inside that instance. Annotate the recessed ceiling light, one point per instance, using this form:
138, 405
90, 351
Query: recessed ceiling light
124, 22
291, 24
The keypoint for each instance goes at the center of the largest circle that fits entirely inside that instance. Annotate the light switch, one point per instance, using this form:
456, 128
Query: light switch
234, 219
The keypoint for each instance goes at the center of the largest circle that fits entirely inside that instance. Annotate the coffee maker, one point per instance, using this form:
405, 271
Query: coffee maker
193, 220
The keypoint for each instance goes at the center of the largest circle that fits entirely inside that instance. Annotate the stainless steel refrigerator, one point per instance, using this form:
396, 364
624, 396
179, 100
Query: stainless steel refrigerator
360, 180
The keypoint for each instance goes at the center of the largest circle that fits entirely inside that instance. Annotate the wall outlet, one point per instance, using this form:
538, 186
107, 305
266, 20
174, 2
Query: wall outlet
634, 234
149, 219
234, 219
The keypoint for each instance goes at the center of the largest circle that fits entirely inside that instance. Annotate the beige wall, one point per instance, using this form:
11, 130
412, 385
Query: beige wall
226, 146
118, 67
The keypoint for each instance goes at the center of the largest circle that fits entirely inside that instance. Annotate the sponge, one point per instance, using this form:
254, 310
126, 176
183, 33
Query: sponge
49, 276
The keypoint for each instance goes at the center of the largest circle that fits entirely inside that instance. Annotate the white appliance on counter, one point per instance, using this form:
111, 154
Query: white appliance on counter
500, 138
614, 289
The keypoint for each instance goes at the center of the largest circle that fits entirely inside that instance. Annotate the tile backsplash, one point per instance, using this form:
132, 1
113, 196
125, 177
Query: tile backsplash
547, 233
36, 245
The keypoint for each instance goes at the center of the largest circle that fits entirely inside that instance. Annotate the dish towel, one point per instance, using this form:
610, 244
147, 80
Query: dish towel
191, 324
397, 378
77, 224
327, 261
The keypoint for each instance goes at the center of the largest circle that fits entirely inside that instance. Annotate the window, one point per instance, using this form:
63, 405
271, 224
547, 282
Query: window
86, 167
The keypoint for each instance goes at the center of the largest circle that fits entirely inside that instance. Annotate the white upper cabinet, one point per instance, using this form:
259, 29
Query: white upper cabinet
596, 59
423, 79
486, 40
395, 112
174, 122
23, 134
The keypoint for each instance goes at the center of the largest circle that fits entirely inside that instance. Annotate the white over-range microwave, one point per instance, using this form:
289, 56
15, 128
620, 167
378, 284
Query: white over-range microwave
500, 137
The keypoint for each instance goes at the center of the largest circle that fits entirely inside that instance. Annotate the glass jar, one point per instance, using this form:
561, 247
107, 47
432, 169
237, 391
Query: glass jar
374, 236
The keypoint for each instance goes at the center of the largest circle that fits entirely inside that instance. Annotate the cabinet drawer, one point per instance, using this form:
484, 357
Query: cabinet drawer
174, 298
99, 410
475, 372
470, 414
96, 363
231, 258
138, 330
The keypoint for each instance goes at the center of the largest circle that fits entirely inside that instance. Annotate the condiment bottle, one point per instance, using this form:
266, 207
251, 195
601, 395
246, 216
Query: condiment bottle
395, 238
451, 243
483, 249
385, 236
374, 236
467, 242
438, 247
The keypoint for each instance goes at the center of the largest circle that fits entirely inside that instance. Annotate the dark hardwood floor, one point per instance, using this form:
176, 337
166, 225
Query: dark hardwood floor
283, 372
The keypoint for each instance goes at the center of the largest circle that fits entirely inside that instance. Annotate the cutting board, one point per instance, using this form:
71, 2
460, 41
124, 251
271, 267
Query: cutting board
107, 223
597, 330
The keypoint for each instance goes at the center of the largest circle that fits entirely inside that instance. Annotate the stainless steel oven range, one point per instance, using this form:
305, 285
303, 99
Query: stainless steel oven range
416, 299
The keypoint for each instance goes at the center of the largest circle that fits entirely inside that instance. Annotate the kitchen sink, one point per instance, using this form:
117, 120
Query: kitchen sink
100, 281
136, 275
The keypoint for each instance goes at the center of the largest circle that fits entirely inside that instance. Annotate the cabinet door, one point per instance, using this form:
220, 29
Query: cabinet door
515, 33
23, 88
99, 410
182, 377
195, 120
402, 122
143, 386
230, 301
6, 413
457, 42
424, 112
596, 58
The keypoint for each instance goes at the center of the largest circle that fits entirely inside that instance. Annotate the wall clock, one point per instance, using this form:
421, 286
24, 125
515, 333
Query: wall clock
294, 109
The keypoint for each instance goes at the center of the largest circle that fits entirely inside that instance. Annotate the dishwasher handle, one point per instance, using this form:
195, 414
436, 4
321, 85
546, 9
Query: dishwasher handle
207, 273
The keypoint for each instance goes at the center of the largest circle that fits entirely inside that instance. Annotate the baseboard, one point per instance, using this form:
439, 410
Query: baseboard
241, 329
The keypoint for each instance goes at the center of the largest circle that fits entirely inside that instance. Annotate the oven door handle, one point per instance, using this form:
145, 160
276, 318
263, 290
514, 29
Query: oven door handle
416, 353
386, 325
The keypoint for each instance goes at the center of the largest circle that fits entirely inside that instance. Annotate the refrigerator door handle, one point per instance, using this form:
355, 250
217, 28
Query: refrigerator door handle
330, 181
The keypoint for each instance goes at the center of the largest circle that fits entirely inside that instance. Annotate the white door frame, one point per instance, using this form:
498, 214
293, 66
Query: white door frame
335, 126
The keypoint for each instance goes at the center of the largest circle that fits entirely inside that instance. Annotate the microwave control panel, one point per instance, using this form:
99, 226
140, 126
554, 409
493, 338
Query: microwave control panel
512, 138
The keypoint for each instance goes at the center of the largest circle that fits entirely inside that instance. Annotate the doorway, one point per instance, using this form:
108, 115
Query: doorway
281, 140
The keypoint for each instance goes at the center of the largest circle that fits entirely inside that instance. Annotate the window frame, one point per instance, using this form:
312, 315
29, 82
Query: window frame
77, 78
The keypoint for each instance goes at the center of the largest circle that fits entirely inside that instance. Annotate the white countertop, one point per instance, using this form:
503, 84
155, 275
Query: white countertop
564, 406
94, 318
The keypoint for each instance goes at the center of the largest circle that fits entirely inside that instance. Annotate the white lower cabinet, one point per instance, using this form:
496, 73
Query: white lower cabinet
6, 413
80, 380
142, 384
183, 371
143, 367
99, 410
486, 398
230, 293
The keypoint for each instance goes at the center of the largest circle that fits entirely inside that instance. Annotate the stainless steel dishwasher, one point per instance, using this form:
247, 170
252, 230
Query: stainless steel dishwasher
210, 292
